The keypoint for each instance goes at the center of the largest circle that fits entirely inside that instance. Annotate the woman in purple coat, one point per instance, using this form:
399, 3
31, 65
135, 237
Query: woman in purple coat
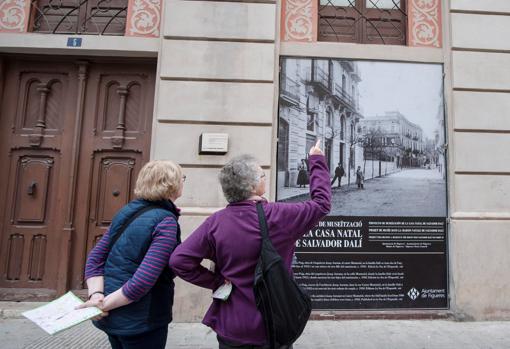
231, 239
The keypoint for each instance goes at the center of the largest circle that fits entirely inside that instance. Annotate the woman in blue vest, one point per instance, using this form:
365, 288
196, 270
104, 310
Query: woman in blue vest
127, 272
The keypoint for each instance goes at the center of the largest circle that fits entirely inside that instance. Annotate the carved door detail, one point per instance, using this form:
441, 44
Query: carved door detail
73, 136
37, 96
115, 144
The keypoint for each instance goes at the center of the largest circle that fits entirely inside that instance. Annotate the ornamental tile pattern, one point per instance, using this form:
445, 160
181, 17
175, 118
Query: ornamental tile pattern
14, 15
144, 18
299, 20
424, 23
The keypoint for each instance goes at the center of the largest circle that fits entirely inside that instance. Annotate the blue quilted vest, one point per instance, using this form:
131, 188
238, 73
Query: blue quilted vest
153, 310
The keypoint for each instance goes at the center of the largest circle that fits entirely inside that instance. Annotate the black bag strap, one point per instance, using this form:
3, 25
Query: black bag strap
124, 226
262, 222
266, 303
263, 232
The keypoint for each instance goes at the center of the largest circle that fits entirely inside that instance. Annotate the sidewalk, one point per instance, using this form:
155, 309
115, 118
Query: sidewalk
296, 193
17, 333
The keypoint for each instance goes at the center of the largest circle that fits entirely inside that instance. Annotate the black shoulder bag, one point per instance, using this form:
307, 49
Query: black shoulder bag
285, 307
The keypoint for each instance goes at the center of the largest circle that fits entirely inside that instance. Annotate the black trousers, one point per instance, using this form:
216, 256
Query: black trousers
155, 339
339, 180
223, 344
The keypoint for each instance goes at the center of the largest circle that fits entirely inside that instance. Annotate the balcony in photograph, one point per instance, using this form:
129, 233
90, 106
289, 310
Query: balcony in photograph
341, 96
320, 79
95, 17
289, 91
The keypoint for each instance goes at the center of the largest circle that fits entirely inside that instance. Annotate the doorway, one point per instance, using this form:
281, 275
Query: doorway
73, 135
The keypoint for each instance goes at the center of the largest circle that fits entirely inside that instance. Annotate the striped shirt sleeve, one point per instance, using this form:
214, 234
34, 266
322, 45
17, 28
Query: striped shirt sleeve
97, 257
164, 240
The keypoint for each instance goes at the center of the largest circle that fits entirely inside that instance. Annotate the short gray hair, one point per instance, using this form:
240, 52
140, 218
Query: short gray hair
239, 177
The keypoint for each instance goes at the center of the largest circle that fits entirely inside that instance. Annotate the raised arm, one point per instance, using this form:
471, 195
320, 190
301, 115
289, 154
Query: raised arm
301, 217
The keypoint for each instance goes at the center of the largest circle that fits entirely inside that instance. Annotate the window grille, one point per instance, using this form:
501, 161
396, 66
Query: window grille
363, 21
100, 17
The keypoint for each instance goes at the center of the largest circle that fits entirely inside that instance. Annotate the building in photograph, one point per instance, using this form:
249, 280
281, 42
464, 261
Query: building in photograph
319, 100
397, 136
90, 90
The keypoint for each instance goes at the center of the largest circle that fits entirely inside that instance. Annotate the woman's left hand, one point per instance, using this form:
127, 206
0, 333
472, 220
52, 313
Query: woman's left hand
97, 300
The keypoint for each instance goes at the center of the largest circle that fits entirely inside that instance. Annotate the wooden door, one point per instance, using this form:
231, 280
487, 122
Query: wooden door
115, 145
73, 136
38, 104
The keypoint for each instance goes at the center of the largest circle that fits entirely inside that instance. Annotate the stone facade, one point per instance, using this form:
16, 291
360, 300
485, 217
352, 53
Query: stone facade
218, 72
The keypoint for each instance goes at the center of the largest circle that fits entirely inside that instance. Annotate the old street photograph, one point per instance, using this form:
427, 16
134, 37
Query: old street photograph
382, 128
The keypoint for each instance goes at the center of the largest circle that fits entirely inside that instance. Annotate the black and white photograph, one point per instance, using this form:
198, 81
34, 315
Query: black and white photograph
382, 128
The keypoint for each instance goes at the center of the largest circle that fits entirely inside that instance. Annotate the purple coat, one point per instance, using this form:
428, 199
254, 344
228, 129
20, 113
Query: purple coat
231, 238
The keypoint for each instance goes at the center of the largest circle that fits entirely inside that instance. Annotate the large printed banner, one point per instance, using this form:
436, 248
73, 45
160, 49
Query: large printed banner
384, 244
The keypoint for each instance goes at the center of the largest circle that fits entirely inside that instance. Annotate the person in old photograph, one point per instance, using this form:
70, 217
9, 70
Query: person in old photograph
231, 238
302, 180
339, 173
359, 178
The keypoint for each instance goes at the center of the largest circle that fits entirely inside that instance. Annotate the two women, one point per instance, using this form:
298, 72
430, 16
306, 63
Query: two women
127, 272
231, 239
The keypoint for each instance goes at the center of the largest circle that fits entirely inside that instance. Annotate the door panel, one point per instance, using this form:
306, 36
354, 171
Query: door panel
117, 125
35, 109
31, 225
114, 176
32, 182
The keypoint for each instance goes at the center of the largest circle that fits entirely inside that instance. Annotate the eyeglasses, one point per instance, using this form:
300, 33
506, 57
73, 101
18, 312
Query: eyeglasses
184, 178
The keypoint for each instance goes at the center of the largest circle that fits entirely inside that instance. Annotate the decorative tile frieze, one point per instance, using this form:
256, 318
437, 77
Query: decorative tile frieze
424, 23
14, 15
299, 20
144, 18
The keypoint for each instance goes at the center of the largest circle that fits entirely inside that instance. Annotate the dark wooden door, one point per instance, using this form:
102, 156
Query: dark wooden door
71, 131
115, 144
38, 104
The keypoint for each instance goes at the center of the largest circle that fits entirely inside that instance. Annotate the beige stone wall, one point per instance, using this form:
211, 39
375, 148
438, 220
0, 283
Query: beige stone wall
480, 234
216, 73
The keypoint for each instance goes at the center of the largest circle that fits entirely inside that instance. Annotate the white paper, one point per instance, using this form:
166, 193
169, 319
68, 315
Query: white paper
60, 314
223, 292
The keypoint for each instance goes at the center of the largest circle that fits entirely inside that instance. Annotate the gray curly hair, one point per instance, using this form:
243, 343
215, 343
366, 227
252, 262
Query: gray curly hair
239, 177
